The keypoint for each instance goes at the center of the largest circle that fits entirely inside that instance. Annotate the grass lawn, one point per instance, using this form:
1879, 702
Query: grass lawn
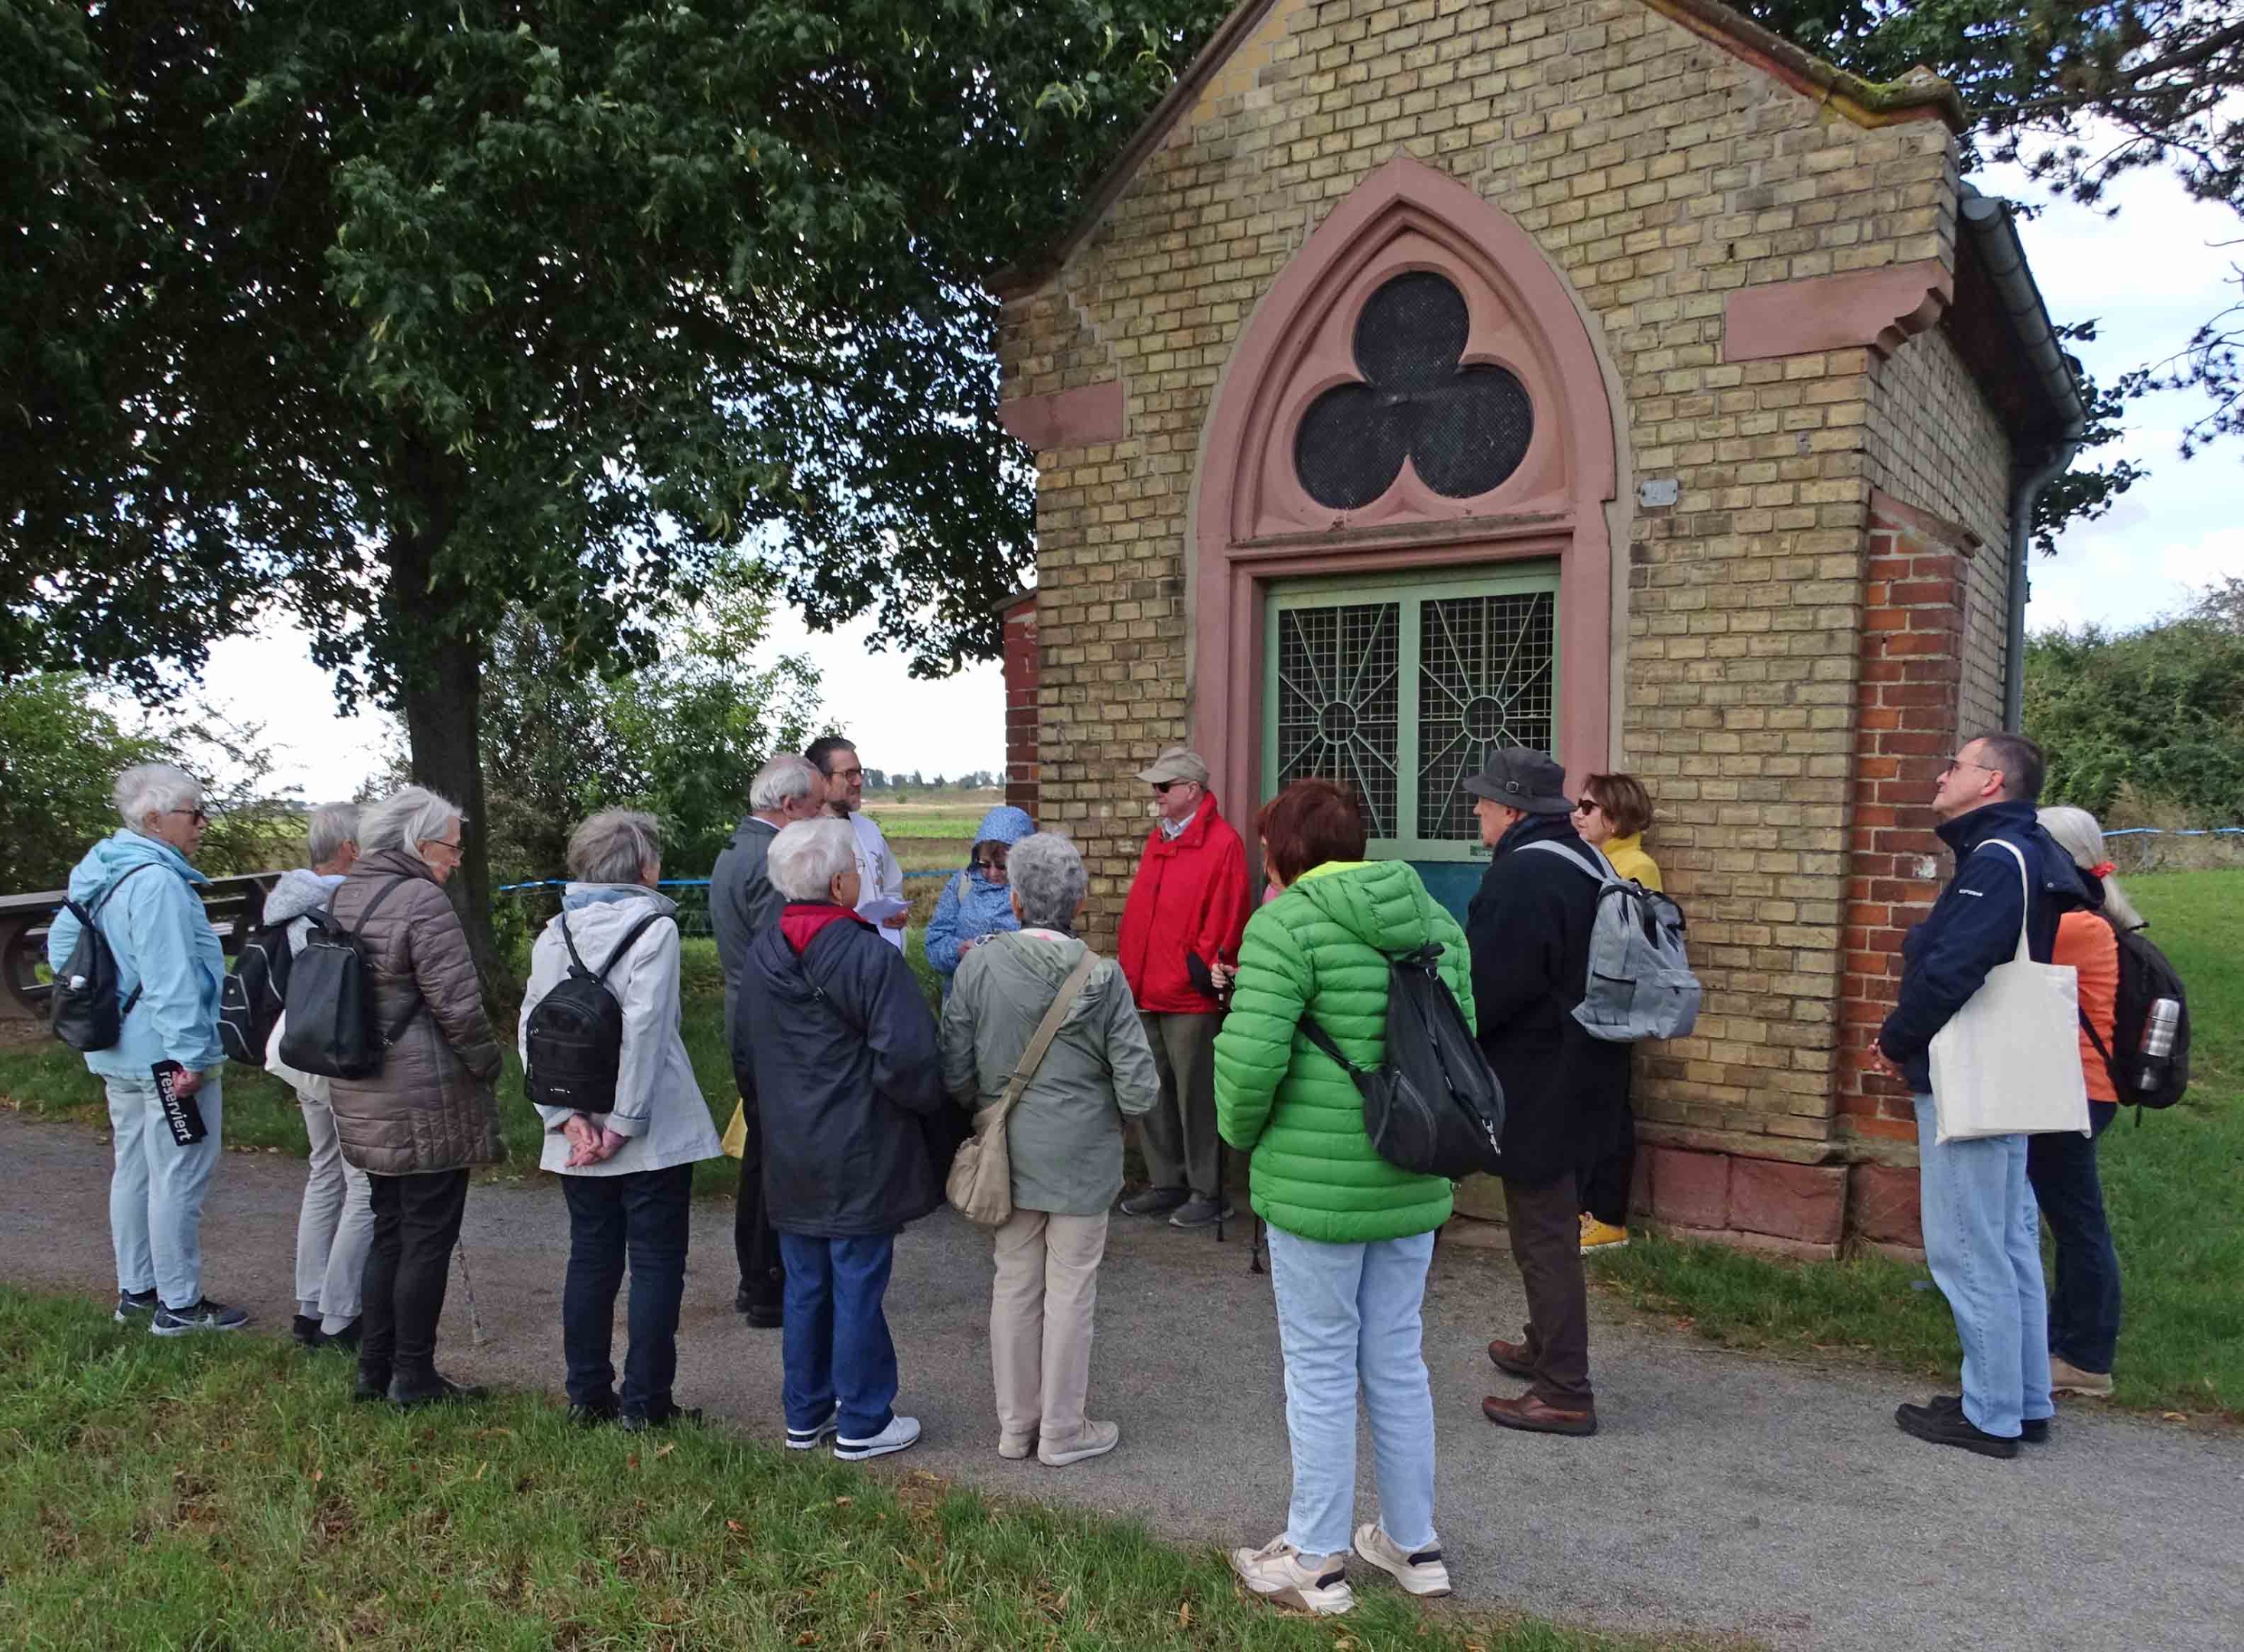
2173, 1187
222, 1492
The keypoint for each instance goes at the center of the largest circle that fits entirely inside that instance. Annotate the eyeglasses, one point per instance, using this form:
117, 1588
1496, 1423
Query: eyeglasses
845, 775
199, 816
451, 843
1955, 764
1587, 806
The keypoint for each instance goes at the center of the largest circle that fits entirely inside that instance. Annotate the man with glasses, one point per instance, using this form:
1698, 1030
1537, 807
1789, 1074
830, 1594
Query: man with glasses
881, 880
1982, 1231
1179, 943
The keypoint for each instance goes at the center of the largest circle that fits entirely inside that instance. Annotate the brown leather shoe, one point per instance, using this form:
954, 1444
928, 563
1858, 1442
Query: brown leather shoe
1511, 1359
1535, 1417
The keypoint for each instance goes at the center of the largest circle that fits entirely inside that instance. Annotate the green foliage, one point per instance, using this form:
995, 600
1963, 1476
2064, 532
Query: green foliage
2157, 714
60, 752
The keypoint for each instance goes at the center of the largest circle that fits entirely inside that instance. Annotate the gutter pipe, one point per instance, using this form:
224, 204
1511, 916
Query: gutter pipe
1994, 233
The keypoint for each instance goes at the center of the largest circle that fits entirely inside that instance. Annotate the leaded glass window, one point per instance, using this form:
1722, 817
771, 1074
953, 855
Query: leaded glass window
1398, 691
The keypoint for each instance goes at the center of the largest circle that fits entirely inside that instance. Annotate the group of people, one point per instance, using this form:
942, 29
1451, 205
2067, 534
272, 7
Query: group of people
856, 1094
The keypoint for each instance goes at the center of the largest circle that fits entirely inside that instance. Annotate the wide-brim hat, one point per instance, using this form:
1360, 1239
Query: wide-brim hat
1528, 780
1177, 762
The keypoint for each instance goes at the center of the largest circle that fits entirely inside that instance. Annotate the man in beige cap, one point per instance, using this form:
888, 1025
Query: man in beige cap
1180, 940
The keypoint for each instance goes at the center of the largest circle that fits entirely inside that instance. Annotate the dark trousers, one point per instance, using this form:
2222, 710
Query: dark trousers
835, 1346
1546, 1242
416, 1223
2083, 1305
763, 1273
647, 1217
1605, 1189
1179, 1138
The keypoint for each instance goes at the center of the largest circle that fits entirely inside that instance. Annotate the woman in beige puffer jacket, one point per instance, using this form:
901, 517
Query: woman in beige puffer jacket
418, 1126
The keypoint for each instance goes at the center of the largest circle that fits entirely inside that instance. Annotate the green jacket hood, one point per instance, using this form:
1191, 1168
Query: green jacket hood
1382, 904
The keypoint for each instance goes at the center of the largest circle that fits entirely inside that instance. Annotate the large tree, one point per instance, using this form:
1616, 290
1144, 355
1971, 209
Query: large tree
396, 316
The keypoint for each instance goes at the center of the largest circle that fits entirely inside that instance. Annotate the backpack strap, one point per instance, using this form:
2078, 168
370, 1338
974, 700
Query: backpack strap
1599, 868
87, 914
1314, 1033
630, 940
372, 907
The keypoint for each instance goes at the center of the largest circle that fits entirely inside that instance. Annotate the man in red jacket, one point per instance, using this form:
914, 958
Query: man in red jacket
1180, 930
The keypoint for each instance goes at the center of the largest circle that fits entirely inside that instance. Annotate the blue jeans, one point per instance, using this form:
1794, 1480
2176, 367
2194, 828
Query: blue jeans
1982, 1241
156, 1191
647, 1215
835, 1343
1349, 1314
2084, 1308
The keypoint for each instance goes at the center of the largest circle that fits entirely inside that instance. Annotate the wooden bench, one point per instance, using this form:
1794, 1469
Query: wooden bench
234, 904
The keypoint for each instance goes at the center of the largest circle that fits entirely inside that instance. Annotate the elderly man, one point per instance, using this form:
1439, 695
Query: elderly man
1982, 1232
1179, 941
336, 1224
140, 892
742, 904
880, 879
1564, 1092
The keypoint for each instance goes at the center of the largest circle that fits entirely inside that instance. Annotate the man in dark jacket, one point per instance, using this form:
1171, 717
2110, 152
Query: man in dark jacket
847, 1070
1564, 1091
1982, 1231
742, 904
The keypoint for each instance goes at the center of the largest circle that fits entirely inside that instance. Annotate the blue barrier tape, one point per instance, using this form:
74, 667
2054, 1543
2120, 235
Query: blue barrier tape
2161, 831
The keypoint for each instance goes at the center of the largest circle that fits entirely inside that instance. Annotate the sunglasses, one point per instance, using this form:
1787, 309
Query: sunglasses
1163, 787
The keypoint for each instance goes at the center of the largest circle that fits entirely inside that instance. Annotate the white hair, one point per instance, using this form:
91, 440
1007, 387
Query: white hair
805, 857
2078, 835
406, 818
1048, 880
612, 846
780, 781
332, 826
154, 788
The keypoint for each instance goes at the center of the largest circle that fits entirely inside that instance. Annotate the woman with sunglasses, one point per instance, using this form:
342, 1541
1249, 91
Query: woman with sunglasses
978, 902
1611, 815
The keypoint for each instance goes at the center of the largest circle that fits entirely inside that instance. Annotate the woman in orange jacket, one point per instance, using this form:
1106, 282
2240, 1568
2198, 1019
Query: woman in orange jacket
2084, 1310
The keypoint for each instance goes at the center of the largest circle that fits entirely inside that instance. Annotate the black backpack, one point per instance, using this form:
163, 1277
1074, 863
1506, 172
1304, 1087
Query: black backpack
331, 1030
1435, 1108
2145, 976
83, 1011
573, 1043
253, 995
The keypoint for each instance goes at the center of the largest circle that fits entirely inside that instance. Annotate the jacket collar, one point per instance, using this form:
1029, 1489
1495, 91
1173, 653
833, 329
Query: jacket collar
802, 922
391, 863
576, 896
1195, 831
1536, 829
1967, 831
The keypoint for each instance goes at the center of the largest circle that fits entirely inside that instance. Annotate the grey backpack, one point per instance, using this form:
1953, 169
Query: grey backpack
1640, 984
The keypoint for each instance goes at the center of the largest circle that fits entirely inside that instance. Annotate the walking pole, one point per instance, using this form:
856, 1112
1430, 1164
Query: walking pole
468, 1288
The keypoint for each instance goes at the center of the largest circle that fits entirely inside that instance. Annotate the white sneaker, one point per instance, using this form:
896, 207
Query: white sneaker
1281, 1572
901, 1433
1096, 1440
807, 1439
1420, 1572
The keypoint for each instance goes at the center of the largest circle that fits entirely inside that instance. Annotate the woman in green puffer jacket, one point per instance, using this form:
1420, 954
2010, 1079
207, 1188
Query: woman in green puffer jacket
1350, 1235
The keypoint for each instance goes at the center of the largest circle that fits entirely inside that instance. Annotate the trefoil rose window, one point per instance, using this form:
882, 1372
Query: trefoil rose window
1464, 429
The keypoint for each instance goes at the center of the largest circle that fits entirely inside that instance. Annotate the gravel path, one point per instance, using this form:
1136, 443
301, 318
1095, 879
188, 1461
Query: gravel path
1725, 1493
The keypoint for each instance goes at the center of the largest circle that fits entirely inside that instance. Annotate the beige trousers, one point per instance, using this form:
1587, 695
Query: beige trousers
1040, 1311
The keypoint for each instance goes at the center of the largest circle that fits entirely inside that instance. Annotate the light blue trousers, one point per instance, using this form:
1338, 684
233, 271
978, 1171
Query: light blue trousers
1350, 1315
156, 1191
1982, 1243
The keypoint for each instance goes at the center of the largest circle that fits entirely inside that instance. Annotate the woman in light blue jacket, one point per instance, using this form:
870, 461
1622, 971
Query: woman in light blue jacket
628, 1173
142, 893
978, 902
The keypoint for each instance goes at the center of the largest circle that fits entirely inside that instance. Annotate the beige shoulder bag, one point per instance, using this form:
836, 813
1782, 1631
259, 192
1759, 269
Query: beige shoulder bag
981, 1184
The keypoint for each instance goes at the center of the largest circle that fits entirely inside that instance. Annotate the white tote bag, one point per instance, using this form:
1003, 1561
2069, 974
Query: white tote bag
2008, 1063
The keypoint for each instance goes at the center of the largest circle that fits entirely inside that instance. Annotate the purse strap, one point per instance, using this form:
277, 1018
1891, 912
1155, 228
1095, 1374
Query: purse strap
1047, 1030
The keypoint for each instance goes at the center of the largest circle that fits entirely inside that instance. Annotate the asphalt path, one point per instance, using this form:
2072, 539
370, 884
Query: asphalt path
1724, 1493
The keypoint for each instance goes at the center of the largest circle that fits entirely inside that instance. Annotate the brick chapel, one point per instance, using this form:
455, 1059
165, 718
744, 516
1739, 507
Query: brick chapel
1607, 376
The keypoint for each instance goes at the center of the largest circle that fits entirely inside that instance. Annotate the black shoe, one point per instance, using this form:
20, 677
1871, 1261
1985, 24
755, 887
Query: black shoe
305, 1328
1941, 1420
762, 1313
347, 1338
370, 1386
1155, 1202
132, 1304
677, 1414
433, 1389
2034, 1431
1196, 1212
592, 1416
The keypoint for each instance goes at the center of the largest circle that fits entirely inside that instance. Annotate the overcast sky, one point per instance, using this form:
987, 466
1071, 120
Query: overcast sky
2150, 276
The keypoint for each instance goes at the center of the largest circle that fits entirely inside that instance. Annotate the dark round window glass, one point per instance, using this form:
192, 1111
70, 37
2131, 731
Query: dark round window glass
1465, 428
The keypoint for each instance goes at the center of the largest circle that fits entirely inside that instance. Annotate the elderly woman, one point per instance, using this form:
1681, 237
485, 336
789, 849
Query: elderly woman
335, 1224
421, 1124
140, 891
845, 1074
1611, 815
1064, 1137
1351, 1236
627, 1173
977, 903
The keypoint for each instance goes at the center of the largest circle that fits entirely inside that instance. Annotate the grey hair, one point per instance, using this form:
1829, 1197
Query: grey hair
332, 826
805, 857
406, 819
612, 846
780, 781
1048, 880
152, 789
2078, 835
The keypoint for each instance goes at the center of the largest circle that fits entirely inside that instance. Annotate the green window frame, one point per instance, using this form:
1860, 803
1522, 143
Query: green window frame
1397, 687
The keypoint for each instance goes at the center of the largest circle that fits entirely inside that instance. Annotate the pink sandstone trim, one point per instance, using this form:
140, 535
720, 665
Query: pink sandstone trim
1876, 308
1086, 416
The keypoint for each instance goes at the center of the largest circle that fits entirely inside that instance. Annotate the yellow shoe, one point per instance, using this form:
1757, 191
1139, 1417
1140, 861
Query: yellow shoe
2065, 1377
1601, 1236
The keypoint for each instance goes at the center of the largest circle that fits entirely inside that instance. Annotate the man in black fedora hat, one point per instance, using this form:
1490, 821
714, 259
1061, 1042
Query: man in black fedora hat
1564, 1091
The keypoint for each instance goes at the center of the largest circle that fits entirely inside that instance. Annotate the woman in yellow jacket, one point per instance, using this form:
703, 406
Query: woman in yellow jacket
1612, 813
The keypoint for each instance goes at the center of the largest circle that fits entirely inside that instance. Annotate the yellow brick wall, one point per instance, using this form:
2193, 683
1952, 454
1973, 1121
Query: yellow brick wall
1660, 173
